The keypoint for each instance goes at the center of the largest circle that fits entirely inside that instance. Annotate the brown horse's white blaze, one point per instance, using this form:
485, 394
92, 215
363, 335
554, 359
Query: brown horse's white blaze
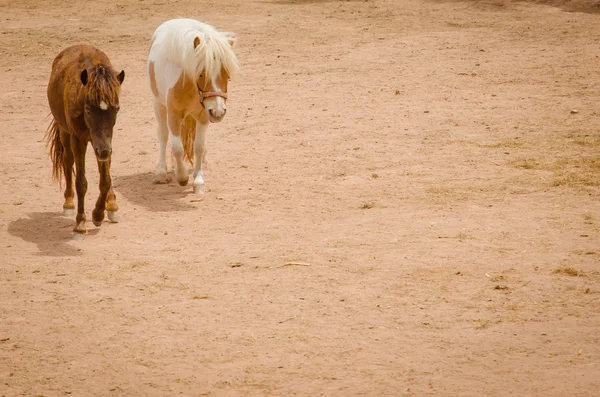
83, 94
189, 66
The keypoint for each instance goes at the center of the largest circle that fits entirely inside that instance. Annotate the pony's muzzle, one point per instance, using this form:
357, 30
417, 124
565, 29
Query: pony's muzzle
217, 115
103, 154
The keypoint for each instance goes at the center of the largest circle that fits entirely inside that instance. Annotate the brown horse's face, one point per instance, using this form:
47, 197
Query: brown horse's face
100, 120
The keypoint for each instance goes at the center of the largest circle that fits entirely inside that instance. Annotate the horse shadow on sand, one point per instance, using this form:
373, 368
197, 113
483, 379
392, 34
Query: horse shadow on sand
141, 189
50, 231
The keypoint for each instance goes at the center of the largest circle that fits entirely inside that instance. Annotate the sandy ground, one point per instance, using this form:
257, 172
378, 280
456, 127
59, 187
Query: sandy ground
435, 166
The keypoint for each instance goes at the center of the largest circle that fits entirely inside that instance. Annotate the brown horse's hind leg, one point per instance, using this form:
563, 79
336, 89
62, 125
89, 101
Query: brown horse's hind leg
79, 148
67, 159
107, 200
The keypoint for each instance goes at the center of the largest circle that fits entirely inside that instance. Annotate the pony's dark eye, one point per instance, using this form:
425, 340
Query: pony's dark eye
200, 76
87, 109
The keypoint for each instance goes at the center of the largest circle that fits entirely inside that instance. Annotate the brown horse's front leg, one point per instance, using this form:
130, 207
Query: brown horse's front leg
111, 206
79, 148
107, 200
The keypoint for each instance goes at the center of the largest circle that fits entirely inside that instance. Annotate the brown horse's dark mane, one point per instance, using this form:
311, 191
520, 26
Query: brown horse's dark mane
102, 85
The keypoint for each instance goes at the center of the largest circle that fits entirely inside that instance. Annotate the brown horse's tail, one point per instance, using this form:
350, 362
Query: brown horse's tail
188, 134
56, 150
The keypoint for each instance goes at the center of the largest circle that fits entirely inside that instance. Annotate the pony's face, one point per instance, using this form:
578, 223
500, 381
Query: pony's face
215, 106
100, 118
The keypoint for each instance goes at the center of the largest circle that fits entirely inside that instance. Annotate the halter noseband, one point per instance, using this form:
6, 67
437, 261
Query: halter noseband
203, 95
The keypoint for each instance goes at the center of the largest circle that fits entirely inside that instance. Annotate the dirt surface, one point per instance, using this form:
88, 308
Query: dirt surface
433, 166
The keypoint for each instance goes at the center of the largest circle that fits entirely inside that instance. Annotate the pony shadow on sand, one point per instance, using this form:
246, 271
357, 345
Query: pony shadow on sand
50, 231
140, 189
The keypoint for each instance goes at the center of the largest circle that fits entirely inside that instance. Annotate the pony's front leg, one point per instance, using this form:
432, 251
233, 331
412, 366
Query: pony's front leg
79, 148
160, 112
107, 198
200, 154
181, 173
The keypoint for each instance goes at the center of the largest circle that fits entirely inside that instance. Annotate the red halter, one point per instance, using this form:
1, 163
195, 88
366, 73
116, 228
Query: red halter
203, 95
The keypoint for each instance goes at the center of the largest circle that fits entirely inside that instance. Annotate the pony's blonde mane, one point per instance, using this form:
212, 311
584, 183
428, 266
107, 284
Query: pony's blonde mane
174, 42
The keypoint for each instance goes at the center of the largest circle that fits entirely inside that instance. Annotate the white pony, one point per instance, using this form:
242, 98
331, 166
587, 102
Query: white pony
189, 65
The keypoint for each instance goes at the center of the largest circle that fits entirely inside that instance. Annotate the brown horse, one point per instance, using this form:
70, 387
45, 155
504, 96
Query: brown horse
83, 94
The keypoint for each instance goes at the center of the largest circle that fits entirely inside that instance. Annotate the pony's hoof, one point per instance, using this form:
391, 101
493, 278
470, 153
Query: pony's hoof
97, 223
78, 236
183, 182
199, 189
113, 216
68, 212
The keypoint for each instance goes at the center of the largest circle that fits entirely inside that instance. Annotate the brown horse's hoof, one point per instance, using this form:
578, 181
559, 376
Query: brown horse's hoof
97, 218
113, 216
69, 207
78, 236
184, 182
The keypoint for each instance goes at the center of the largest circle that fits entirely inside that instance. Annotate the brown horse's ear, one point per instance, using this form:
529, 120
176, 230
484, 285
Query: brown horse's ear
84, 76
196, 42
121, 76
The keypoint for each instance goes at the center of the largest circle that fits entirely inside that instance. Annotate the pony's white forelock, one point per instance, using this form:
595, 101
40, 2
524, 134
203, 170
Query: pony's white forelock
174, 40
